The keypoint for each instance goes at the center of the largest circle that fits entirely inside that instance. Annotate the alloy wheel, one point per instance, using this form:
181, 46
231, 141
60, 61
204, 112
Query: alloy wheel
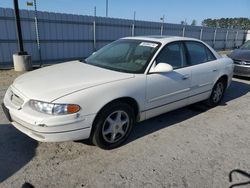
218, 92
115, 126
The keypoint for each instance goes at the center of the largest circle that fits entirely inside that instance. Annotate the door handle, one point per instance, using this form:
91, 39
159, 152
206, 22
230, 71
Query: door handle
214, 70
185, 77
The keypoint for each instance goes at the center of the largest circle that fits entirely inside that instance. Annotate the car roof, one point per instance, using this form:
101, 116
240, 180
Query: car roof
162, 39
165, 39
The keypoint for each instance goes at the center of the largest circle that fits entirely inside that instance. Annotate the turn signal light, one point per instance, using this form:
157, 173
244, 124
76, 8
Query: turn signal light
72, 108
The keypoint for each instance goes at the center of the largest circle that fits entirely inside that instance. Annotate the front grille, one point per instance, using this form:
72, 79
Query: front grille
241, 70
241, 62
15, 99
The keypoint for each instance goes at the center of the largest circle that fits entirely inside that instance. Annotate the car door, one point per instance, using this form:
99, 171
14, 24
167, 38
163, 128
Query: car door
170, 90
204, 70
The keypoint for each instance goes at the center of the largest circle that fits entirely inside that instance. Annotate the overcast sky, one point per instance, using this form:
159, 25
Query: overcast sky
174, 10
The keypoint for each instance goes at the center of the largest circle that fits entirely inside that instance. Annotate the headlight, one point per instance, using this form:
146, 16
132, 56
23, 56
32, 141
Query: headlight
54, 109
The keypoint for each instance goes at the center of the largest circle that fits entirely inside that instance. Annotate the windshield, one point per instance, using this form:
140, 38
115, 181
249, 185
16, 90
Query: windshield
131, 56
246, 46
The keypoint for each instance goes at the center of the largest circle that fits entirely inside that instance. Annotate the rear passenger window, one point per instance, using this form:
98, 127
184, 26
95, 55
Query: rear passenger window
173, 55
210, 55
198, 53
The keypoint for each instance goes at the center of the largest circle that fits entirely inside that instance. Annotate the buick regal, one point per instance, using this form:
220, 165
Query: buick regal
102, 97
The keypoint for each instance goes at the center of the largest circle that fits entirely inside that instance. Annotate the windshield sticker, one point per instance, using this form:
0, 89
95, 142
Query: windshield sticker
148, 44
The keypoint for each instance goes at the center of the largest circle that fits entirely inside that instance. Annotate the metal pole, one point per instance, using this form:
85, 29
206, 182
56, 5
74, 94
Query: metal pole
162, 24
19, 30
226, 40
183, 31
94, 30
37, 35
201, 33
215, 33
107, 6
236, 39
133, 25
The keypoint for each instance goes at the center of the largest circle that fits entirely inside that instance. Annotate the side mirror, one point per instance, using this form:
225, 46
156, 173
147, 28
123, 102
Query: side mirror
161, 68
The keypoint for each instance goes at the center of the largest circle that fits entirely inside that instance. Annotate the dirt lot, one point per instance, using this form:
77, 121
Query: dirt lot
190, 147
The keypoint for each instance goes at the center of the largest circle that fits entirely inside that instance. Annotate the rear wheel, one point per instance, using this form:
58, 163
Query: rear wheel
113, 125
217, 93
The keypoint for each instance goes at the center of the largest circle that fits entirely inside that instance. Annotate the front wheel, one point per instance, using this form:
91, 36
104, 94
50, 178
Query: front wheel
113, 125
217, 93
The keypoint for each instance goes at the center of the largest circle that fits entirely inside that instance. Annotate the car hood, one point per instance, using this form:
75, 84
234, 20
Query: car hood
240, 54
52, 82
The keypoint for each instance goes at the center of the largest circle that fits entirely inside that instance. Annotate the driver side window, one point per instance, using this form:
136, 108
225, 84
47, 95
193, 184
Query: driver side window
172, 54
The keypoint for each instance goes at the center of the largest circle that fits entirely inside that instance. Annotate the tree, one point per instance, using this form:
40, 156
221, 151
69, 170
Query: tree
194, 23
230, 23
209, 23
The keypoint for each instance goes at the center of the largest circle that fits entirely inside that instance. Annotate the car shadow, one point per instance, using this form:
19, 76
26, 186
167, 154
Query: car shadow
242, 77
16, 150
236, 90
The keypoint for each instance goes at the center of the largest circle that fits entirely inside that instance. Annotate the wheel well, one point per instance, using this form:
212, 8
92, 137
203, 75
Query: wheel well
225, 79
128, 100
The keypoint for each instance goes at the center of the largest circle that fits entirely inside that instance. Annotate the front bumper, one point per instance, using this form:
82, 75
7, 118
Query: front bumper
54, 136
242, 70
47, 128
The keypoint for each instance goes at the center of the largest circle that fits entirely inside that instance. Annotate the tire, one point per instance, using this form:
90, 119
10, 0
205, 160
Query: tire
217, 94
113, 125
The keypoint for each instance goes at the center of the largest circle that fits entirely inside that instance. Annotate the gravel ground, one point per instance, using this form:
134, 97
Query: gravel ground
190, 147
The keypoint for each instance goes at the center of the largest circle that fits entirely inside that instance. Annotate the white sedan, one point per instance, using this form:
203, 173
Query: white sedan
127, 81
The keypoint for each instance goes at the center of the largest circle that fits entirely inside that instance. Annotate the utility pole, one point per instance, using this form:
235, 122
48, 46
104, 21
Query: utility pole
21, 60
19, 29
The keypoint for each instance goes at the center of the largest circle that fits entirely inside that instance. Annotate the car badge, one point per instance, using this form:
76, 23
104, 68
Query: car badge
243, 63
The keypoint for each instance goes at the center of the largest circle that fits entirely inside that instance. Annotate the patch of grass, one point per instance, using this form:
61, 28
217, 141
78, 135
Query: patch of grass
225, 52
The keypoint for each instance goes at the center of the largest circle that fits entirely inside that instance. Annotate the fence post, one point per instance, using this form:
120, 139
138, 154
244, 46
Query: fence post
162, 24
37, 35
247, 36
201, 32
226, 40
133, 30
236, 39
215, 33
94, 30
133, 25
183, 31
161, 29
